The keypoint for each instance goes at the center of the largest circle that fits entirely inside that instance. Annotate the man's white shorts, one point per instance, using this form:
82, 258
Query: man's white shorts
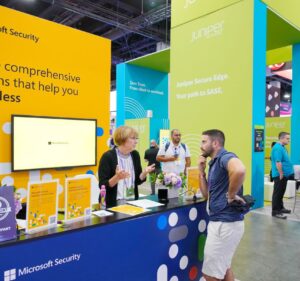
221, 243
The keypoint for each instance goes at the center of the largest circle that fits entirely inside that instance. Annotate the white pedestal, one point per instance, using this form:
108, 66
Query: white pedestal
289, 193
290, 189
268, 191
172, 192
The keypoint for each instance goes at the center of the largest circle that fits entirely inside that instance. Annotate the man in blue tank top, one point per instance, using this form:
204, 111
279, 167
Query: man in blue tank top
282, 171
226, 223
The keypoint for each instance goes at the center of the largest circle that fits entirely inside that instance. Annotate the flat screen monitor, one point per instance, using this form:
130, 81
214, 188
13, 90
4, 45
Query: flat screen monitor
42, 142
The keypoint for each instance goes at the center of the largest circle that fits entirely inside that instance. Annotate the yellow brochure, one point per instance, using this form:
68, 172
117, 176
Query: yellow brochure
77, 198
41, 205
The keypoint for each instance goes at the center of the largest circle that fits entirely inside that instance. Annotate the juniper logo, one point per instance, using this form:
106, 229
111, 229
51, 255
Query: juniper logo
208, 32
10, 274
5, 208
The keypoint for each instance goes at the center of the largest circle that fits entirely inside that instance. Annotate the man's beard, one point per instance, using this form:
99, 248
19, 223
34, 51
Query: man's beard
207, 153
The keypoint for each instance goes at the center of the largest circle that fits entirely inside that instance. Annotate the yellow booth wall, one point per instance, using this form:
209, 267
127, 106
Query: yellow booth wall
47, 69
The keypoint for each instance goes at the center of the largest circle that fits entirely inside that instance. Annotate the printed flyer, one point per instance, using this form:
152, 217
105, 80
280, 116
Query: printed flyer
77, 198
193, 183
41, 205
129, 210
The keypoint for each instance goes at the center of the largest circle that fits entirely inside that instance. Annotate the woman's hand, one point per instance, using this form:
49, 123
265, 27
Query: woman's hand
150, 169
121, 174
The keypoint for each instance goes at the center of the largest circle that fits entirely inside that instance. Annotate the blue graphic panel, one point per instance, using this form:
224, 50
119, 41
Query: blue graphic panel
132, 250
139, 90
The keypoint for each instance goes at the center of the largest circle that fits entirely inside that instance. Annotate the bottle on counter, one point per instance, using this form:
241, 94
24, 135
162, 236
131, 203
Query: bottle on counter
103, 197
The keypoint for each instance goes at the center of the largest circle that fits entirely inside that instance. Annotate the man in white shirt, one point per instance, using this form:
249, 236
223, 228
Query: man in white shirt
175, 156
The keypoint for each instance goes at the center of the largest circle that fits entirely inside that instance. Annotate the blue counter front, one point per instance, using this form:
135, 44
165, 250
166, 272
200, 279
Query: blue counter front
165, 244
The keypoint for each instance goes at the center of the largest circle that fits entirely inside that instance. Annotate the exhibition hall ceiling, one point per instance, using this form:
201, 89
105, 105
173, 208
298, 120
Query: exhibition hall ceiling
136, 27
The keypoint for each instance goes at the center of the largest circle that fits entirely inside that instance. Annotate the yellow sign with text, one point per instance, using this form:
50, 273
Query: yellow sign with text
193, 182
41, 205
47, 69
78, 198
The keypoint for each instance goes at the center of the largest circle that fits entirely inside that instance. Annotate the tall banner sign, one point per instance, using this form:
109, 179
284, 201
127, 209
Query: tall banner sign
210, 82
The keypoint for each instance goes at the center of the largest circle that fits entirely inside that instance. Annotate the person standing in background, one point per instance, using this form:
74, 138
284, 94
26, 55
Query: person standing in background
282, 171
223, 185
175, 156
150, 157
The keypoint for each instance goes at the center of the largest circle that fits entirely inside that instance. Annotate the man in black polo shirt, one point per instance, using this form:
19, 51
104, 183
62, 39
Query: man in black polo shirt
150, 157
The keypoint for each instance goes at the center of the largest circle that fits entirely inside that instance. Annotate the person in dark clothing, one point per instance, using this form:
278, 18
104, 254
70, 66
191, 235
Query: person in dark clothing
120, 168
150, 157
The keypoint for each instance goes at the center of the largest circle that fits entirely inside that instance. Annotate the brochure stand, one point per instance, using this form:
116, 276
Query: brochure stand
193, 184
42, 203
78, 199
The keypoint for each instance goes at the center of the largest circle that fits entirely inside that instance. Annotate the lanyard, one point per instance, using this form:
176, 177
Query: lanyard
176, 149
126, 164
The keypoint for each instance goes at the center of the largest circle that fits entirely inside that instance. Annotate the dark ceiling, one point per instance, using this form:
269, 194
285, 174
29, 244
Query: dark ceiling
135, 27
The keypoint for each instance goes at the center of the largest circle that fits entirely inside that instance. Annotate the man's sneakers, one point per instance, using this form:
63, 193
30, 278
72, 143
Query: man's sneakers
285, 211
279, 216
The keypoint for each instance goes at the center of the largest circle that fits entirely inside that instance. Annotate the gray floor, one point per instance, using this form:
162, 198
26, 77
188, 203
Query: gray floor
270, 248
289, 204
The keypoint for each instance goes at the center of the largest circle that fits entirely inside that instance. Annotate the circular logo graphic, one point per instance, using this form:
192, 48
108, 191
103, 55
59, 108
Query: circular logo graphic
5, 209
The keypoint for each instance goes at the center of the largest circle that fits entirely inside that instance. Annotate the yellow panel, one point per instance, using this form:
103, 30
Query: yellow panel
186, 10
288, 9
50, 70
279, 55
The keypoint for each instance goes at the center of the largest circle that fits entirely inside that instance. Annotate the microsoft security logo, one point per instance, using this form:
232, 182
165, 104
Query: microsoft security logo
10, 275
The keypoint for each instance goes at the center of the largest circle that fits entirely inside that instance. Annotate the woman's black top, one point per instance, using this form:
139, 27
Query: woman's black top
107, 169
